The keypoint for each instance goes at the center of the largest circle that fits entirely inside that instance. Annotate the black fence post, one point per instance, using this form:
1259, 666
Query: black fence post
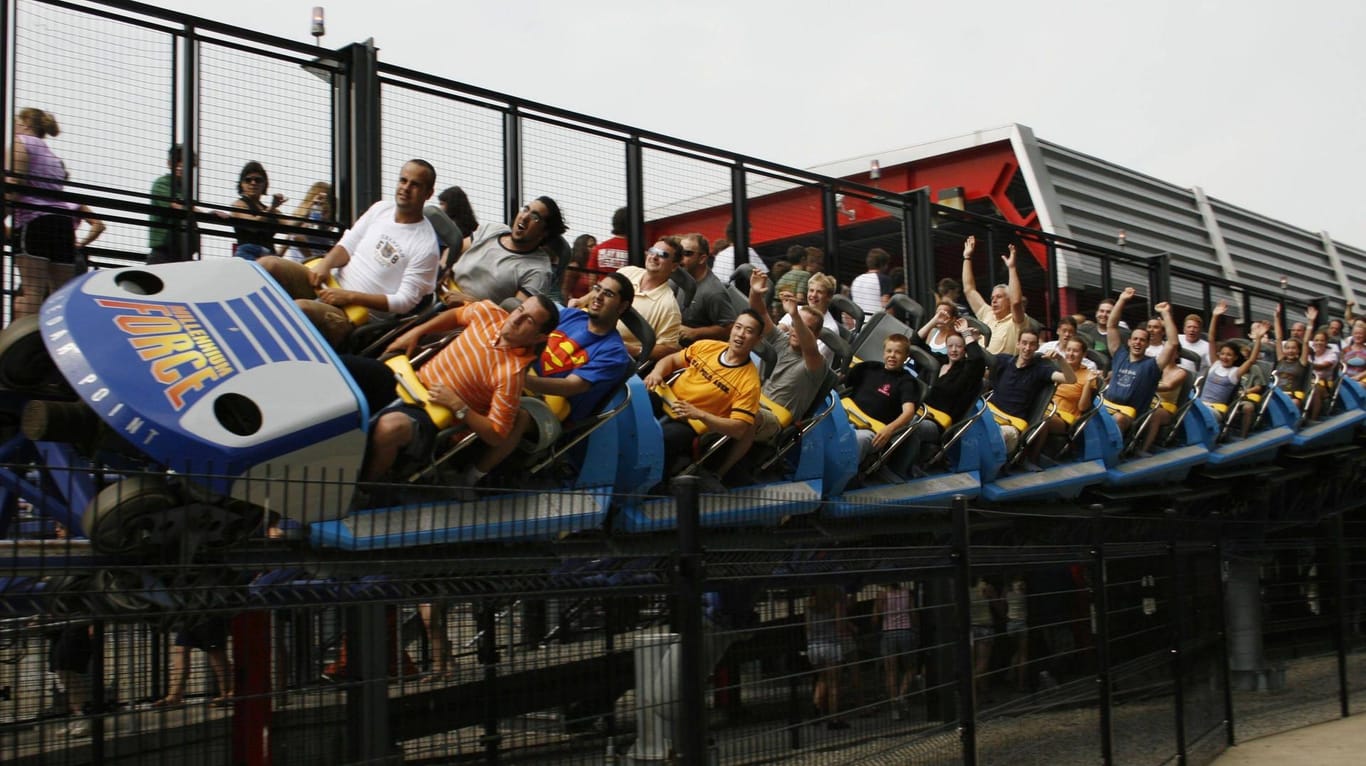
366, 151
1101, 598
830, 224
692, 729
1343, 635
635, 202
487, 625
97, 692
739, 207
962, 590
919, 247
1051, 284
1178, 628
1159, 279
1222, 605
512, 164
186, 193
367, 696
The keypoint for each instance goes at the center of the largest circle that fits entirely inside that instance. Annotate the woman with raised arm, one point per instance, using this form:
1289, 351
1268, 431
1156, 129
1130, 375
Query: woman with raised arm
1227, 368
938, 328
1292, 362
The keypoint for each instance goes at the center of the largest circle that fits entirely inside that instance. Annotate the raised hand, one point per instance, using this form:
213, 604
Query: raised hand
1009, 257
1163, 307
969, 245
758, 282
1127, 294
1220, 308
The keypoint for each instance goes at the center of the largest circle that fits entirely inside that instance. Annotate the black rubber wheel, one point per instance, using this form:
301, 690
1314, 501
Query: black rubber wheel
24, 362
126, 592
131, 515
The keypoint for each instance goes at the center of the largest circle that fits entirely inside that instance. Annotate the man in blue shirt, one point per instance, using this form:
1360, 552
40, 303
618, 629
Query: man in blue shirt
1017, 381
1134, 375
584, 358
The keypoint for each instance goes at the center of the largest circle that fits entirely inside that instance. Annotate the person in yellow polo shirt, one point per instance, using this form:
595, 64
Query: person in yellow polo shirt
717, 391
1005, 314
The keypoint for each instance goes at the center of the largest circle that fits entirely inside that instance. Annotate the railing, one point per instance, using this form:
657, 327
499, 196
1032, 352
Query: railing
1080, 633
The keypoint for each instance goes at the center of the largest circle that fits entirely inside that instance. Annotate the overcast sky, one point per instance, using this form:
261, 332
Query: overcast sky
1259, 102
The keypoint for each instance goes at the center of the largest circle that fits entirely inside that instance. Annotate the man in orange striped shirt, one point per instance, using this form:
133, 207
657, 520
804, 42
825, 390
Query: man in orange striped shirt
478, 376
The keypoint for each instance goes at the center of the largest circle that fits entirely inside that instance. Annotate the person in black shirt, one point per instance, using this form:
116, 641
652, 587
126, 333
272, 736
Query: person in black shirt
886, 392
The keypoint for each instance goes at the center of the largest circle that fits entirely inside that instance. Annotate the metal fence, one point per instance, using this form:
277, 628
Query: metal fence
1121, 633
1062, 635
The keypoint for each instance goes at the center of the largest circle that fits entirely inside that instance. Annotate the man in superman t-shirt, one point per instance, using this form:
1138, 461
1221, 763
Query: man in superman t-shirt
584, 358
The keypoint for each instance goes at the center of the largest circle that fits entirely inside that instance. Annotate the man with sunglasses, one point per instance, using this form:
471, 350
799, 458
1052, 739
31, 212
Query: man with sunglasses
709, 314
585, 358
512, 261
655, 297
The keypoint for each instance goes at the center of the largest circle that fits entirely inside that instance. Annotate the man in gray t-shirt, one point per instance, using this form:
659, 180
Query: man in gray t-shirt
797, 374
505, 262
710, 312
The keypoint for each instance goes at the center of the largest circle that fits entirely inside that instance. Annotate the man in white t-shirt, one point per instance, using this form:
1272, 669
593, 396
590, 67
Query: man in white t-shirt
871, 290
386, 262
1191, 341
724, 263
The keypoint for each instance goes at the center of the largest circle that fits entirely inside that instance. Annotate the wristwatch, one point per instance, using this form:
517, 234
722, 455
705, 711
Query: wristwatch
462, 412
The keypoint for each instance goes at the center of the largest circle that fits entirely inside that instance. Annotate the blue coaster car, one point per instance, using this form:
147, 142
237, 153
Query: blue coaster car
970, 455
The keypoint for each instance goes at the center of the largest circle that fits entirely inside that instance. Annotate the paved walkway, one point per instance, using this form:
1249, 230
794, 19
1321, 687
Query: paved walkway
1337, 743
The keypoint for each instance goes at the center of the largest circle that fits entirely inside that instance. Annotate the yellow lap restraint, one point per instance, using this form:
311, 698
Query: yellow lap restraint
357, 315
860, 419
1020, 424
1119, 409
411, 390
667, 394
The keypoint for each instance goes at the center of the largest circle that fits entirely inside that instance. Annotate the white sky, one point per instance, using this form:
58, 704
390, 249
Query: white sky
1259, 102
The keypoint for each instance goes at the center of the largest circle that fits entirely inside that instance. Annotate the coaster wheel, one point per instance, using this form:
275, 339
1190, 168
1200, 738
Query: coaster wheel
25, 364
131, 515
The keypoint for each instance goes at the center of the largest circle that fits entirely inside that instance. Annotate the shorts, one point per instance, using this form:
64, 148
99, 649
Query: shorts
901, 641
1016, 627
826, 653
48, 236
982, 632
71, 650
766, 426
211, 633
424, 430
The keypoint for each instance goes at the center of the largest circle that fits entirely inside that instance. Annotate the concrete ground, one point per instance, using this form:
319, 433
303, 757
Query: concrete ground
1336, 743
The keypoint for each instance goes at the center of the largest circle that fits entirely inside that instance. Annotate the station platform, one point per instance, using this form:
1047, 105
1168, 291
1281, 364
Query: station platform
1336, 743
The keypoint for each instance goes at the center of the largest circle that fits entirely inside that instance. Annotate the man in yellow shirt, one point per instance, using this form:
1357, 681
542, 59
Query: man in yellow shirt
718, 390
1005, 314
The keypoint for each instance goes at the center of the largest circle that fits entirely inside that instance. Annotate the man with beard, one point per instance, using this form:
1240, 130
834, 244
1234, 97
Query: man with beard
585, 358
505, 262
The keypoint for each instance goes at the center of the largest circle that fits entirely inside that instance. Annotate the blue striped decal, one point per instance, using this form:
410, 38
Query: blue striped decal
274, 327
279, 313
259, 331
239, 343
